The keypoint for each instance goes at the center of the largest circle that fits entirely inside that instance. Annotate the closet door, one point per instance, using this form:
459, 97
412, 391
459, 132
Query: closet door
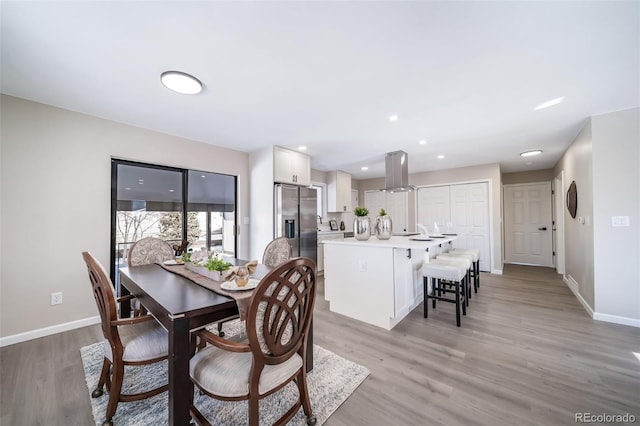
397, 209
434, 206
470, 216
461, 209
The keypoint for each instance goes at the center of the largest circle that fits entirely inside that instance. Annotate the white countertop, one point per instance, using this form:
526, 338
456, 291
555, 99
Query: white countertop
395, 242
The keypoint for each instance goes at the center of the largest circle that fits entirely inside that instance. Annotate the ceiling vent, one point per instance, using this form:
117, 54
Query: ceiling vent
396, 178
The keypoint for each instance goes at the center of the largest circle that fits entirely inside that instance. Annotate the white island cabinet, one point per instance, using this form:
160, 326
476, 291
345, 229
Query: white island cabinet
377, 281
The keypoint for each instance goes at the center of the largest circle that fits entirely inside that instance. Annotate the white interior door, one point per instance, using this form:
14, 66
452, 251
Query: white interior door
374, 201
397, 209
527, 224
470, 217
434, 206
462, 209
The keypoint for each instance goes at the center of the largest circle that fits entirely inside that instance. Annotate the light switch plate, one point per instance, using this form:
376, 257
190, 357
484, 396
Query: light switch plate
620, 221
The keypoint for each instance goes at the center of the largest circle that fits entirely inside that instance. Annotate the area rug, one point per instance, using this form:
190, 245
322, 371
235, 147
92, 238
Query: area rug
331, 381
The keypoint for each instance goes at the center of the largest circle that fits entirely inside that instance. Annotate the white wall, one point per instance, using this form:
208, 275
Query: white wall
56, 183
262, 215
616, 188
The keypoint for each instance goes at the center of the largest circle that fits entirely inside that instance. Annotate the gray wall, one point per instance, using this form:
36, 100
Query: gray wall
527, 177
56, 180
603, 260
578, 241
616, 192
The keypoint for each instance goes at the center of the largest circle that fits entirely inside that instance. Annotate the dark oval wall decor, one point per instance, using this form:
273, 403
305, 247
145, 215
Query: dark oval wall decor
572, 199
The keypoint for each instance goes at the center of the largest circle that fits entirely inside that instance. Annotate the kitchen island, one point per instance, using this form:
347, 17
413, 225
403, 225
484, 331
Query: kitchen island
378, 281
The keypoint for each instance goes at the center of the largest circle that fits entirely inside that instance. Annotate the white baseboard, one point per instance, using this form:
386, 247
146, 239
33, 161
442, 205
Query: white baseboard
633, 322
496, 271
575, 289
47, 331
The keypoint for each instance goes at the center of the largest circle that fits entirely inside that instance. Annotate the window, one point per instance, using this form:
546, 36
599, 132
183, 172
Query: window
172, 204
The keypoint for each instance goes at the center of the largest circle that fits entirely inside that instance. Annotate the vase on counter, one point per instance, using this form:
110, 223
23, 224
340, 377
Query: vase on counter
383, 226
361, 224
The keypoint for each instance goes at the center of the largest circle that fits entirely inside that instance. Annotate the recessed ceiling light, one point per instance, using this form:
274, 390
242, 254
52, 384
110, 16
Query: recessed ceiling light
141, 182
393, 118
181, 82
423, 142
440, 157
302, 148
531, 153
547, 104
172, 190
203, 176
128, 189
364, 168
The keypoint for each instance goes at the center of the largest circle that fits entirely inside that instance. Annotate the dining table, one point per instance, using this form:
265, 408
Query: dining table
181, 305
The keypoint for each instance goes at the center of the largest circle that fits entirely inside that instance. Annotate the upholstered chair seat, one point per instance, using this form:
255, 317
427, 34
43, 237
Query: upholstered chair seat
441, 279
141, 342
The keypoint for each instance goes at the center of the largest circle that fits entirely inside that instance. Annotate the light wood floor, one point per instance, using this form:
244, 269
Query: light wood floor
527, 354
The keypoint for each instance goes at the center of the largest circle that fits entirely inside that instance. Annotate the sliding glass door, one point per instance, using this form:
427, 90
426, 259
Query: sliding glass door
172, 204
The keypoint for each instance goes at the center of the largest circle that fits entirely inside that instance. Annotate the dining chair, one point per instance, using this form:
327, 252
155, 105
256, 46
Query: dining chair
128, 341
276, 253
149, 250
146, 251
273, 352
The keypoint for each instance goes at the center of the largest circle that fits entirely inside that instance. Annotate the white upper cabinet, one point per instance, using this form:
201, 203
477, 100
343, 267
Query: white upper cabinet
339, 192
291, 167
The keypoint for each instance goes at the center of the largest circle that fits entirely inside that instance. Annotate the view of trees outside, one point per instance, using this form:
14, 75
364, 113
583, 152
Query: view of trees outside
170, 224
132, 226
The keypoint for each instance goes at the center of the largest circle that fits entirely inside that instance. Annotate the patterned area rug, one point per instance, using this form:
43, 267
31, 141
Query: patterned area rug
331, 381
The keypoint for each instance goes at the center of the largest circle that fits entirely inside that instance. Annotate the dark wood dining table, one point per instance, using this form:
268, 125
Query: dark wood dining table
181, 305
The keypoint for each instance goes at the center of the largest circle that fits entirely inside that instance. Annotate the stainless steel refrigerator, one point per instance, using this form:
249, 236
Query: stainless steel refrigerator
296, 218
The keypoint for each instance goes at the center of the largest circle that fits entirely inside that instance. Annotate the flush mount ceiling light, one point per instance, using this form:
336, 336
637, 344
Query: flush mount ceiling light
364, 168
547, 104
181, 82
440, 157
423, 142
393, 118
531, 153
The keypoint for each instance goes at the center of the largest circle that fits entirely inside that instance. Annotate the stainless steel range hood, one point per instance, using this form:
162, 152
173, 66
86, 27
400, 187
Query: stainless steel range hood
396, 178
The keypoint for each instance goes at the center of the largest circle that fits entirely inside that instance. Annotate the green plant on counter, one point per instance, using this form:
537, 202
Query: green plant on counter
217, 264
361, 211
186, 256
383, 212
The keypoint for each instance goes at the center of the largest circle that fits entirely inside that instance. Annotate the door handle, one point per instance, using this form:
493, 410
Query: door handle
542, 229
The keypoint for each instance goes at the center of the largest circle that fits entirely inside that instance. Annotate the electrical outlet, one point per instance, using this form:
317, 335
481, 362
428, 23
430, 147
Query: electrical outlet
56, 298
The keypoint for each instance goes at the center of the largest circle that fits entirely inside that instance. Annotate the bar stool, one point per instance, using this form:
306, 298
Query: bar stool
460, 262
476, 263
441, 279
469, 256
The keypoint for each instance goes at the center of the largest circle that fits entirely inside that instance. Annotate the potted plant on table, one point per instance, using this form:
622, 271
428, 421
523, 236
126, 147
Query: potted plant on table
361, 224
210, 265
383, 225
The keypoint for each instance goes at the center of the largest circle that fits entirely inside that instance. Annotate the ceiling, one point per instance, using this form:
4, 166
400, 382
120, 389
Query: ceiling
464, 76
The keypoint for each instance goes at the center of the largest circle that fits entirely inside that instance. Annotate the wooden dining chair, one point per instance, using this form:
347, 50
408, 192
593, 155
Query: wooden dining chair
274, 352
275, 254
128, 341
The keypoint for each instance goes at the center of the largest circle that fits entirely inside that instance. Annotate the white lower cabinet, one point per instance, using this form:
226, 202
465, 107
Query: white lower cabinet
320, 254
407, 272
